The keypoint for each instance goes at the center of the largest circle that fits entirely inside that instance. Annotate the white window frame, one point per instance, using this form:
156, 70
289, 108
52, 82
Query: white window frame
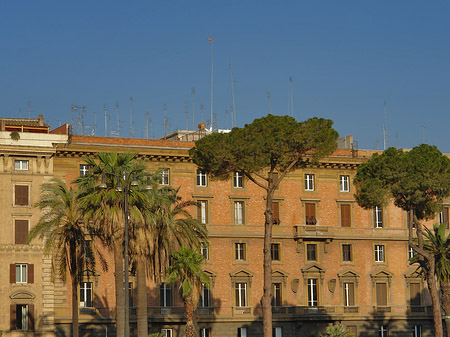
203, 208
205, 298
205, 332
164, 177
241, 332
86, 291
344, 183
21, 165
309, 182
204, 250
275, 286
378, 217
84, 170
166, 332
411, 253
167, 294
379, 253
202, 178
313, 292
384, 331
24, 315
21, 273
241, 292
347, 293
238, 179
277, 332
239, 251
239, 212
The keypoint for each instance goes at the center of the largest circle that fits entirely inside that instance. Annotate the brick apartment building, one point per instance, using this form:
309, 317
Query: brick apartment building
333, 262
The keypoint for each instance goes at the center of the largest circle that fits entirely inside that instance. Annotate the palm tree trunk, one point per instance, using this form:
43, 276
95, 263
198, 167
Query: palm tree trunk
437, 314
142, 323
189, 312
75, 329
445, 288
120, 295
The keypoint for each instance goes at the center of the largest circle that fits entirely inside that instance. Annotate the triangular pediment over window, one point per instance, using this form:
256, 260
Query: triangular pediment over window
348, 273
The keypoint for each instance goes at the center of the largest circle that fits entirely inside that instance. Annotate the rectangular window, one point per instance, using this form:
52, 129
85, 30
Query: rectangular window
241, 332
241, 294
21, 165
166, 332
204, 250
414, 294
86, 294
21, 195
311, 252
22, 316
21, 273
205, 297
277, 332
443, 217
202, 211
309, 182
205, 332
344, 183
381, 292
277, 299
165, 292
239, 251
276, 213
312, 292
378, 217
379, 253
21, 231
164, 176
349, 294
275, 251
310, 213
239, 212
202, 179
417, 331
238, 180
347, 253
84, 170
345, 215
411, 253
384, 331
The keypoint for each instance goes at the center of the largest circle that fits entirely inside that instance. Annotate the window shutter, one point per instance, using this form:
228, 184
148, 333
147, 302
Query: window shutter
30, 273
30, 316
351, 294
12, 273
310, 210
276, 213
345, 215
381, 294
13, 317
21, 195
445, 213
21, 231
414, 291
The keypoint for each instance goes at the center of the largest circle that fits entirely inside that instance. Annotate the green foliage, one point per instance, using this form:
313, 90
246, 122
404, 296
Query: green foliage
337, 330
14, 135
269, 142
417, 180
156, 334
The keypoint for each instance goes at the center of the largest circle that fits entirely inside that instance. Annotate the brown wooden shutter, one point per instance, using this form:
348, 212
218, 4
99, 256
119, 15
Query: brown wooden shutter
414, 293
381, 294
21, 234
30, 316
12, 273
445, 216
345, 216
30, 273
310, 212
276, 213
21, 195
351, 294
13, 317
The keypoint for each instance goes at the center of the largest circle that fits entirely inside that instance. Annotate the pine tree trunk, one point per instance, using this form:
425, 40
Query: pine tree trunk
142, 323
189, 312
445, 289
75, 325
120, 295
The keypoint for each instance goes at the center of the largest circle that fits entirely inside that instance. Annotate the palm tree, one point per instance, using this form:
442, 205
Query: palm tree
105, 209
185, 268
438, 244
61, 225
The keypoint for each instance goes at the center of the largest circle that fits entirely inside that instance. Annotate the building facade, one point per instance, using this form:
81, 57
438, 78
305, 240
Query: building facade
333, 262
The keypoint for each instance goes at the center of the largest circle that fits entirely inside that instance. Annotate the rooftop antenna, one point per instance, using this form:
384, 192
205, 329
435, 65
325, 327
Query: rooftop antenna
270, 104
95, 123
82, 121
151, 130
201, 109
187, 114
106, 122
193, 108
384, 127
233, 112
291, 98
109, 120
118, 123
73, 109
131, 116
146, 123
211, 39
165, 120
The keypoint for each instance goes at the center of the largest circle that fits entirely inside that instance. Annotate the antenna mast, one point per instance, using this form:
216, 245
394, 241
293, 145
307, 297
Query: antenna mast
95, 123
193, 107
201, 109
211, 39
106, 122
291, 98
233, 113
165, 120
187, 114
118, 123
146, 123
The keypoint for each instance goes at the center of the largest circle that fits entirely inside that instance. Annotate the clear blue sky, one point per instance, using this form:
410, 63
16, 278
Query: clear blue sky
345, 57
